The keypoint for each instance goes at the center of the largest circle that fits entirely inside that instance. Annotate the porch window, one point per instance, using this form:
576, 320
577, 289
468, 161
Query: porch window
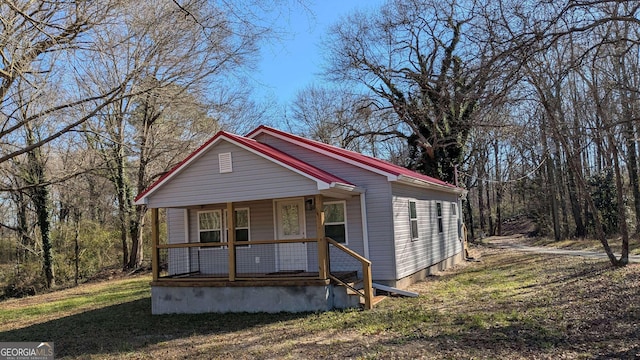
242, 225
413, 220
210, 226
335, 220
439, 216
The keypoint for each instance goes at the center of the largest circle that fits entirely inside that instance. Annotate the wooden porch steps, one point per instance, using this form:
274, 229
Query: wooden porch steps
354, 282
377, 299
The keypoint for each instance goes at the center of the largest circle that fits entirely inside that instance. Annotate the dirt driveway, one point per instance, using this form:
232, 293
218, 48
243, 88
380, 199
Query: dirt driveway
516, 242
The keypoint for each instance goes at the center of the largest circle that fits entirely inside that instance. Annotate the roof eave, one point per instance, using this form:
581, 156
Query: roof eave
429, 185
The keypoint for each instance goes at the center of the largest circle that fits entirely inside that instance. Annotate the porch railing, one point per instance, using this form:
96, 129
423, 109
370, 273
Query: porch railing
257, 260
242, 260
367, 286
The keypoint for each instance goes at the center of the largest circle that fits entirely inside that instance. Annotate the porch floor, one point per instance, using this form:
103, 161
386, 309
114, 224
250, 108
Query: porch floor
280, 278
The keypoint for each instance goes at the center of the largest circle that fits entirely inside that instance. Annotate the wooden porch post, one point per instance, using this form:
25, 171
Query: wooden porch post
368, 290
323, 249
155, 240
231, 239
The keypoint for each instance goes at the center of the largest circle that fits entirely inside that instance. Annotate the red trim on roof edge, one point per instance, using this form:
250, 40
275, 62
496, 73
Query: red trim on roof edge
289, 160
352, 155
177, 166
265, 149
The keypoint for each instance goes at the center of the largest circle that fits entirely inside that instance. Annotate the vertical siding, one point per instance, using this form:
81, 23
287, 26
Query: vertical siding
253, 177
378, 199
431, 246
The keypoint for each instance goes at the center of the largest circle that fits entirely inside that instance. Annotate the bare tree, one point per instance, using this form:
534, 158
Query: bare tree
347, 120
428, 62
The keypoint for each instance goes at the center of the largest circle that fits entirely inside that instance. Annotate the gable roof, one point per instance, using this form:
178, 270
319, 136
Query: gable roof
392, 171
323, 179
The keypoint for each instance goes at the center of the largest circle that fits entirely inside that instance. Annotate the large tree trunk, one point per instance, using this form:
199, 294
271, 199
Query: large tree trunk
40, 198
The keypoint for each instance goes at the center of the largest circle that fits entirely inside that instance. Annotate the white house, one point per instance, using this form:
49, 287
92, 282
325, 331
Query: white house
314, 226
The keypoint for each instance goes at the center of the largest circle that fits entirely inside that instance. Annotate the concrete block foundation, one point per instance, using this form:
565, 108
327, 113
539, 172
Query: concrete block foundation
270, 299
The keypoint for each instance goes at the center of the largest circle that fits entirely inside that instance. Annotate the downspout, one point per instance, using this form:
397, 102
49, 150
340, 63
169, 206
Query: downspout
365, 226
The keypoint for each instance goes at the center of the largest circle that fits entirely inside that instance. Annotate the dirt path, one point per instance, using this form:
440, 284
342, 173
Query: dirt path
515, 243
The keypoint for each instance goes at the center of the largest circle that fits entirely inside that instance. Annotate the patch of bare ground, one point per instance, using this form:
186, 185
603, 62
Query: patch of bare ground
507, 305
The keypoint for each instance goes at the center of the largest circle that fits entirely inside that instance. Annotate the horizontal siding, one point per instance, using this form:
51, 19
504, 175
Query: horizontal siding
253, 177
178, 259
431, 246
260, 228
378, 200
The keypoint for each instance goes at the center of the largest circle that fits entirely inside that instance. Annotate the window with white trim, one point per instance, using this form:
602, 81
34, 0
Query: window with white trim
210, 226
439, 216
212, 222
413, 220
335, 220
454, 218
242, 225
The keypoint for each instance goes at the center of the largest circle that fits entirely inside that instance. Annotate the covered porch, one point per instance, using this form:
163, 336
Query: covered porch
288, 272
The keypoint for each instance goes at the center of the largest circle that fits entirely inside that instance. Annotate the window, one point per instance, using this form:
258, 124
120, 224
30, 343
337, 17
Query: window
210, 226
335, 221
211, 223
242, 225
454, 217
439, 214
413, 220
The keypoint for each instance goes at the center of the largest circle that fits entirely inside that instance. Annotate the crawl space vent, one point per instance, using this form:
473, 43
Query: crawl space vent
225, 163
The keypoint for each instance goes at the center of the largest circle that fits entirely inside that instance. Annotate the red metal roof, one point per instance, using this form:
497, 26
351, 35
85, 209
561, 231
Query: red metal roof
358, 158
259, 148
289, 160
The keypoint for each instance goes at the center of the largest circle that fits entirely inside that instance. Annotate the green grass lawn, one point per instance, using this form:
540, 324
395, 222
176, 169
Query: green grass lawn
508, 305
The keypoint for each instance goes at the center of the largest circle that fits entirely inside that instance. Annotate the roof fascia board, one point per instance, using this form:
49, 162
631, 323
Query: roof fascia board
321, 184
143, 200
427, 185
173, 172
388, 175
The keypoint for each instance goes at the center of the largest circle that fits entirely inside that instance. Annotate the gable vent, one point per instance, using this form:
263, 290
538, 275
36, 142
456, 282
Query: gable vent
224, 159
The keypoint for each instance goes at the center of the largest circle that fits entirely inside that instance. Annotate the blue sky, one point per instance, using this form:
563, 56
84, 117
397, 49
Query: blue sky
295, 62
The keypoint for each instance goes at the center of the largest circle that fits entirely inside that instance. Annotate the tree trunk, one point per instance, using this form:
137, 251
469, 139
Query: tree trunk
492, 230
469, 212
551, 181
632, 163
499, 190
576, 209
622, 219
123, 213
481, 208
40, 197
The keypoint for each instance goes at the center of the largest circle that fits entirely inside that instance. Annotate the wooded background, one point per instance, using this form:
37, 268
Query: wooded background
530, 105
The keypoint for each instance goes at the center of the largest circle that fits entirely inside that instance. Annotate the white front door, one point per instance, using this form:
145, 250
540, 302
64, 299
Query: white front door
291, 225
